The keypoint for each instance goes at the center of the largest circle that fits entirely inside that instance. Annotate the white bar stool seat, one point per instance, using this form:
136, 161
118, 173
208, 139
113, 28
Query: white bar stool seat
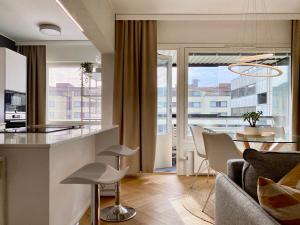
117, 212
118, 150
95, 174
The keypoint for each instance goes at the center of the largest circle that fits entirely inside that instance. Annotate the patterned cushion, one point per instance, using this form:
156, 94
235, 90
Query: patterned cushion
292, 179
272, 165
282, 202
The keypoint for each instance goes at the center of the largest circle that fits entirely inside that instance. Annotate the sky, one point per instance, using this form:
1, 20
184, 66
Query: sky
211, 76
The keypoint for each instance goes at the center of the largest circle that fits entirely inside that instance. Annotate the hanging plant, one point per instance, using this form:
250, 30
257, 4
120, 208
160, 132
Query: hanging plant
86, 67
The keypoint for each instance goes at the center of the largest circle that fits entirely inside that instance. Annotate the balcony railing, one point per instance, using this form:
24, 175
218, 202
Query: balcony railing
227, 123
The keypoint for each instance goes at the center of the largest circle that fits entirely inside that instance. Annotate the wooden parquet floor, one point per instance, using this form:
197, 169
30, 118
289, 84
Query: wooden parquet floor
157, 199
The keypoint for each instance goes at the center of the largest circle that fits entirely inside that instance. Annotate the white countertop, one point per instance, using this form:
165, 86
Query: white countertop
48, 139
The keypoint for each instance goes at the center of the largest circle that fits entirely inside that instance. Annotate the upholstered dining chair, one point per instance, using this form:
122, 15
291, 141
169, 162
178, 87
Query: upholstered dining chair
219, 149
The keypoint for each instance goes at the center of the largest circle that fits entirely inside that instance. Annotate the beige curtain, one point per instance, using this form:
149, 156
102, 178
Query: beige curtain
36, 83
135, 87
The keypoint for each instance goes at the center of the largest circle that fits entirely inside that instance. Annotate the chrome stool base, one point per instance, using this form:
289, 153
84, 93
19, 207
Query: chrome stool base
117, 213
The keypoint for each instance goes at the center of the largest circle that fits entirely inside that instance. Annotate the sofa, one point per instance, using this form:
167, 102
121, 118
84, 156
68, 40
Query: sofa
233, 205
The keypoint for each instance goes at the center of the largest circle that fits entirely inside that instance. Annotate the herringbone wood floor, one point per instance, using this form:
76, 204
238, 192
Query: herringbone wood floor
157, 199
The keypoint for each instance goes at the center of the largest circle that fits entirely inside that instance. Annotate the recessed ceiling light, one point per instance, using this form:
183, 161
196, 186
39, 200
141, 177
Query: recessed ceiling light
50, 29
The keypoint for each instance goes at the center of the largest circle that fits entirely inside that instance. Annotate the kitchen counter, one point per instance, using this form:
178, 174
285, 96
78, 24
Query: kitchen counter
36, 163
29, 140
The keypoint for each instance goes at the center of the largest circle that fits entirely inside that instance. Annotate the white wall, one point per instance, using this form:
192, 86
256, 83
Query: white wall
222, 32
71, 53
97, 19
107, 88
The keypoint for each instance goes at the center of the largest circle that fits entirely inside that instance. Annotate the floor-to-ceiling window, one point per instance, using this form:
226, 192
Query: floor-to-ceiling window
216, 97
73, 97
165, 159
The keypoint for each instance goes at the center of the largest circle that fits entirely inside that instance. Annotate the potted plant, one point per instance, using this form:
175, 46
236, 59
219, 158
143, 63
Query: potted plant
252, 118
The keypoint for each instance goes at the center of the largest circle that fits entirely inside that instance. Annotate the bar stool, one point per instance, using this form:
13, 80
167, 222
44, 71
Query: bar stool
117, 212
95, 174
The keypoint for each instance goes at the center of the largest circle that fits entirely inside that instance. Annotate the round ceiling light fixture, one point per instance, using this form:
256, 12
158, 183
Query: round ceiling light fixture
255, 70
263, 62
50, 29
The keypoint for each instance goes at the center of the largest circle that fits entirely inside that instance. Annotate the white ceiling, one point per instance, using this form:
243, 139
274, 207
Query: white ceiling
201, 6
19, 20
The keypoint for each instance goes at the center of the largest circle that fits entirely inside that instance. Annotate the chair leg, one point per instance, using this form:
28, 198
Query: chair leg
198, 172
208, 197
208, 171
94, 204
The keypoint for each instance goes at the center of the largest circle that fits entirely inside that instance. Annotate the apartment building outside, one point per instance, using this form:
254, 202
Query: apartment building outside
65, 103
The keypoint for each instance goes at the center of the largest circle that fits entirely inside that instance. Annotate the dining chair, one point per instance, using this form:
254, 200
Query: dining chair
197, 131
219, 148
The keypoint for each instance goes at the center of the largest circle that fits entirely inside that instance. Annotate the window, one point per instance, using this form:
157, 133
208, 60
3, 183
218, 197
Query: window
77, 115
251, 89
65, 102
162, 98
218, 104
77, 104
195, 104
243, 91
51, 104
195, 93
262, 98
227, 94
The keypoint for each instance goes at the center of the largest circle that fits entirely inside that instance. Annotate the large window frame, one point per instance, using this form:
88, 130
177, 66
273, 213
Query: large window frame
63, 122
185, 146
188, 50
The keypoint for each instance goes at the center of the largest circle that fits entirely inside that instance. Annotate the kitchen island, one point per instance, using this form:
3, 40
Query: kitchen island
35, 165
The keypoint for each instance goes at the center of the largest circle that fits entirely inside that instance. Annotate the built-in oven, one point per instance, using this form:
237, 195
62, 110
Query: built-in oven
15, 109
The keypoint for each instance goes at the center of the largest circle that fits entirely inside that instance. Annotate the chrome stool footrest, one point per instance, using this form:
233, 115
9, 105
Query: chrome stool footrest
117, 213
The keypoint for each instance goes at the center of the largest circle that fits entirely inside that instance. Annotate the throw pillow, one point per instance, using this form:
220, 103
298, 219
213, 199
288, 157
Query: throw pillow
282, 202
292, 179
272, 165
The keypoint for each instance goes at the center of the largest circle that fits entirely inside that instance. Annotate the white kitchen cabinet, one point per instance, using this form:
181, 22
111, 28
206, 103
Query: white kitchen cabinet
13, 74
13, 70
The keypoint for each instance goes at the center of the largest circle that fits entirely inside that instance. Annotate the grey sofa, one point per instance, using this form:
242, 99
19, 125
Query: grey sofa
233, 205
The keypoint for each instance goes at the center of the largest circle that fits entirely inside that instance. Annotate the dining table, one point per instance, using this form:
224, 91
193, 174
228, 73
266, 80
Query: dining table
268, 141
